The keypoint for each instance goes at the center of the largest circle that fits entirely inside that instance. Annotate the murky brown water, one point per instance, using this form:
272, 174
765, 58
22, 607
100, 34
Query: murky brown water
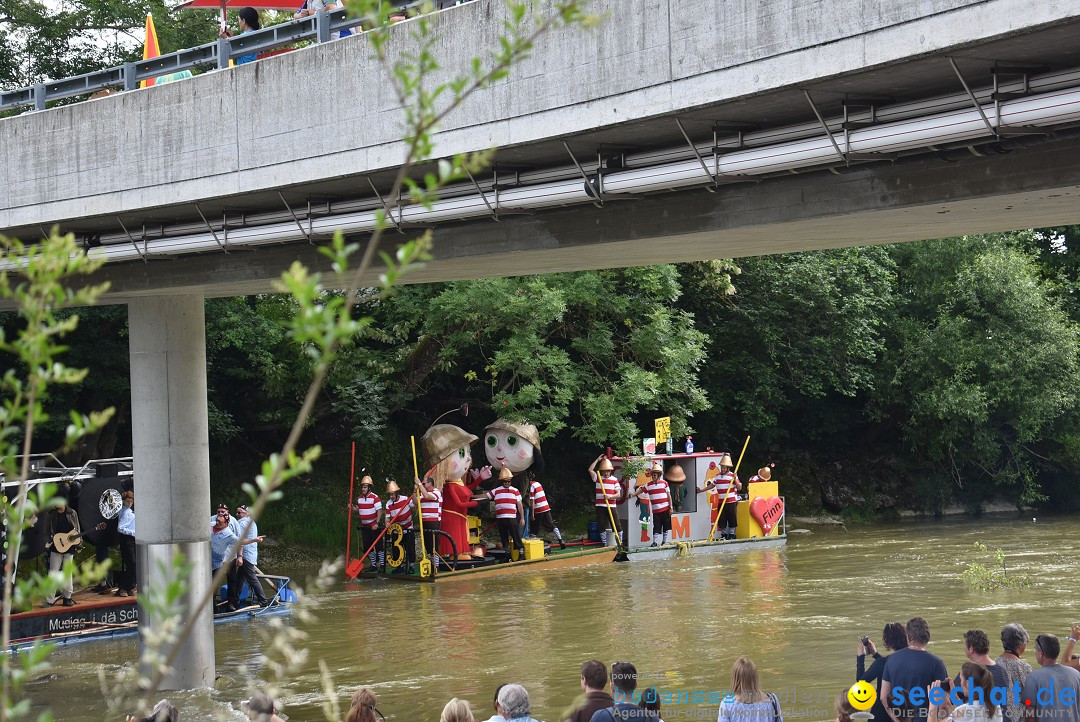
797, 611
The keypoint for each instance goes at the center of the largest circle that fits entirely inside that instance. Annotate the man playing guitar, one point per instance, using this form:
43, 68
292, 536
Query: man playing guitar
61, 528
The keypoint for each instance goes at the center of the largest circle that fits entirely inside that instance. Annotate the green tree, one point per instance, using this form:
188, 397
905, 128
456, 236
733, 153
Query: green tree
987, 363
799, 338
599, 351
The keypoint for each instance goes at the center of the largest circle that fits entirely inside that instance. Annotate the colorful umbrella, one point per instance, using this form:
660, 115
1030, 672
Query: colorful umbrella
151, 49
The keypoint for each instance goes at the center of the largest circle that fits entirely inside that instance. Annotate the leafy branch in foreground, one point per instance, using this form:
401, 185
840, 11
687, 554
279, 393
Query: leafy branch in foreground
40, 279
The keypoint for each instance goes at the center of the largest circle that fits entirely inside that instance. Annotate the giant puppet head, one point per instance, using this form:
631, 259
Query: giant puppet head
446, 448
513, 446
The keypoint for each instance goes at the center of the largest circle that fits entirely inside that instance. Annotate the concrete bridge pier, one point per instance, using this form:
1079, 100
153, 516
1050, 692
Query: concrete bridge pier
172, 468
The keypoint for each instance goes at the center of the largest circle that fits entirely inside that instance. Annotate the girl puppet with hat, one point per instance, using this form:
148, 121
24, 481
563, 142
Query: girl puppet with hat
610, 492
516, 446
447, 454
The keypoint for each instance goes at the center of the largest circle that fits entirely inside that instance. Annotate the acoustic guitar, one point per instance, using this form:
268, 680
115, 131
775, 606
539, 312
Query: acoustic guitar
62, 542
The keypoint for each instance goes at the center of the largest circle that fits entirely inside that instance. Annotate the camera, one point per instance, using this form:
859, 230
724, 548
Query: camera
946, 684
866, 641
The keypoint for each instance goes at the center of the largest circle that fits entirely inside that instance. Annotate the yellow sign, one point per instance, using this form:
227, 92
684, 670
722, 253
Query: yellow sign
663, 429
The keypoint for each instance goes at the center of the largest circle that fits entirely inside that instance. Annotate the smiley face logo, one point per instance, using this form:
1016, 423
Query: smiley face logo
862, 696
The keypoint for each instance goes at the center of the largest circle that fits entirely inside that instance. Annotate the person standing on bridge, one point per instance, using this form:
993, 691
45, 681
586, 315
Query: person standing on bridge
247, 19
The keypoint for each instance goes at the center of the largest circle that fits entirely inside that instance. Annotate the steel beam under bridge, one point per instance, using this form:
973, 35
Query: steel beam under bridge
1033, 183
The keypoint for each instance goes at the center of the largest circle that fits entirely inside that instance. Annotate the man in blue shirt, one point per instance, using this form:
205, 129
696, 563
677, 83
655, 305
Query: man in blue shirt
249, 557
909, 672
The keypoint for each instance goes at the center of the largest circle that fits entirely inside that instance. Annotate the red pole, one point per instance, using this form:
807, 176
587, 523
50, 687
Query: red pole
352, 479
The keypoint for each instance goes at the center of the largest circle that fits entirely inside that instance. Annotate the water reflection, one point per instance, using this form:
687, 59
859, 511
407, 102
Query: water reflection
797, 611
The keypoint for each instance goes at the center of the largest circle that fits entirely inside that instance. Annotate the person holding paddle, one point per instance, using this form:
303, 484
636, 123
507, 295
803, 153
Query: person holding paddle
62, 531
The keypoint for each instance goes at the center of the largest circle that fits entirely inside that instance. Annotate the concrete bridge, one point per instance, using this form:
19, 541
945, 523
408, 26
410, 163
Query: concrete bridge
680, 130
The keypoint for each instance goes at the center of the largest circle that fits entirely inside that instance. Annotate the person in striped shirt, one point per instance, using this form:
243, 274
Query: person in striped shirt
399, 510
727, 486
508, 512
369, 507
659, 494
609, 493
430, 514
540, 512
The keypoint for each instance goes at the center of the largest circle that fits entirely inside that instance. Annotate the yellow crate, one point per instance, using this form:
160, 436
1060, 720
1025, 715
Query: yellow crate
473, 524
534, 548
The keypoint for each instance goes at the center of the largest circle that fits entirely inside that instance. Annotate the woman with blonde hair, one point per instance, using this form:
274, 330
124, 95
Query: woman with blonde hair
457, 710
747, 703
363, 706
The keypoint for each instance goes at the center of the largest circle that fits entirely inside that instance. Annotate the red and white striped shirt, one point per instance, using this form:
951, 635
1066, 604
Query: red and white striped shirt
725, 484
368, 506
538, 498
431, 509
506, 501
607, 486
399, 511
659, 496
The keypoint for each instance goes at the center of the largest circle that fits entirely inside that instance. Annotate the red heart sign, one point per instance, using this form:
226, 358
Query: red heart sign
767, 512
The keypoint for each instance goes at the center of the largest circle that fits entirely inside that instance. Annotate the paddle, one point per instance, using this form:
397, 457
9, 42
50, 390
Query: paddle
348, 530
425, 563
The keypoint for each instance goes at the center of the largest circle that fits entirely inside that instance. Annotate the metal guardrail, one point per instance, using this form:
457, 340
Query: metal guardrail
318, 27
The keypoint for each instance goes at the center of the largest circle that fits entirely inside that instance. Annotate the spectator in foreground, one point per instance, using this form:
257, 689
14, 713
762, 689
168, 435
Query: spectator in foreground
1061, 682
1014, 640
1067, 657
457, 710
894, 637
593, 681
163, 712
976, 683
911, 668
260, 708
363, 706
623, 684
650, 700
497, 717
747, 702
513, 703
844, 710
977, 650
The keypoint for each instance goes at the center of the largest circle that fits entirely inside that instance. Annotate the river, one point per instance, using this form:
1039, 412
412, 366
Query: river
797, 611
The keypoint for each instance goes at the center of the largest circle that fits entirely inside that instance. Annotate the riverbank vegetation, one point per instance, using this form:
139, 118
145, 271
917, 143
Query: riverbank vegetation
881, 379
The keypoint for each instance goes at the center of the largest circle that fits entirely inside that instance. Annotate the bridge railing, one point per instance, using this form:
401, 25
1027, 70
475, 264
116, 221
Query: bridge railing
318, 27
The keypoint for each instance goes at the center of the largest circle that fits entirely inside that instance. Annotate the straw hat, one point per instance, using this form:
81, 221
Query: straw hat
505, 474
676, 474
442, 440
605, 465
392, 487
367, 480
524, 430
657, 468
726, 461
765, 473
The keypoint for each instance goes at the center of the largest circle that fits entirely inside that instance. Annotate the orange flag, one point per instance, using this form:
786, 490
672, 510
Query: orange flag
150, 47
